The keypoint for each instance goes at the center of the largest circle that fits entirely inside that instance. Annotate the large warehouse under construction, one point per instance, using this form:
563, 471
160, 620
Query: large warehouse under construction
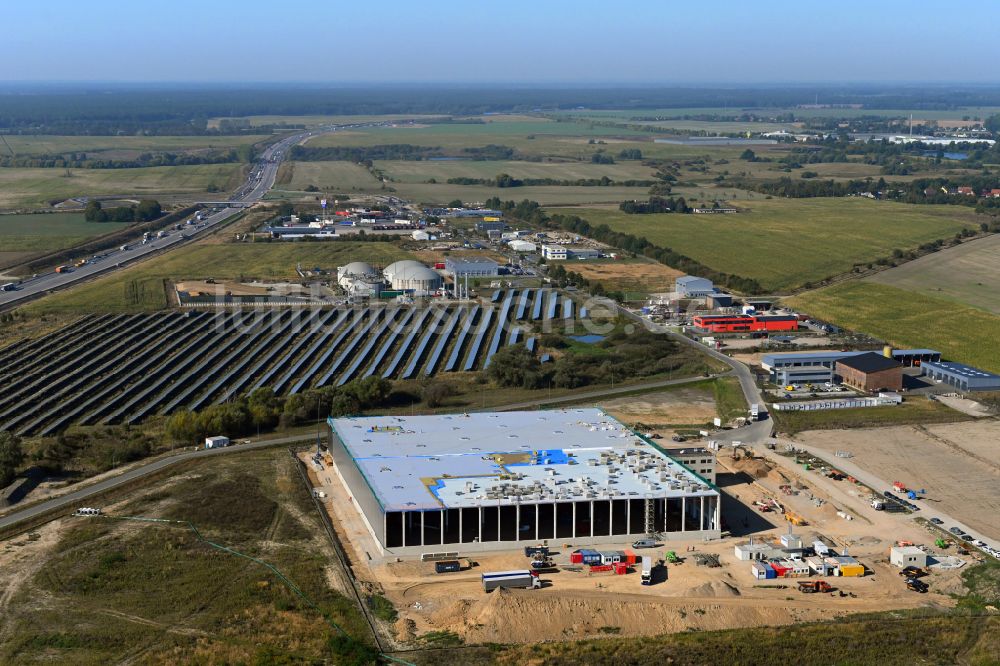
489, 480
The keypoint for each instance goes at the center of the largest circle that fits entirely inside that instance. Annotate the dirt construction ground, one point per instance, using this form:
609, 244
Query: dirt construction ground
631, 276
679, 406
577, 604
957, 464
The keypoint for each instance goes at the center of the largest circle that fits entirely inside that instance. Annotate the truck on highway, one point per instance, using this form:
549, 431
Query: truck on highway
518, 579
124, 248
62, 269
161, 234
647, 570
10, 286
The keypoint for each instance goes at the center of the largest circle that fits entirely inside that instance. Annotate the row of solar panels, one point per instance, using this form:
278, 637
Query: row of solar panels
124, 368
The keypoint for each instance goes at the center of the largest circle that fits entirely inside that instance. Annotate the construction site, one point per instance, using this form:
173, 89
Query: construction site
797, 542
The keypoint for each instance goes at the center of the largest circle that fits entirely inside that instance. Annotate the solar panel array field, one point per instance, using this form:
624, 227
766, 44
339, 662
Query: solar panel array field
124, 368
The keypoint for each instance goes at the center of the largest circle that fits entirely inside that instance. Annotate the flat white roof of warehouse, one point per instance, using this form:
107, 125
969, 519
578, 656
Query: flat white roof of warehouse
416, 463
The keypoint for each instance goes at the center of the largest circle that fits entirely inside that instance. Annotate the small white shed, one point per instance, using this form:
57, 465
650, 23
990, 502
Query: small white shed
907, 556
216, 442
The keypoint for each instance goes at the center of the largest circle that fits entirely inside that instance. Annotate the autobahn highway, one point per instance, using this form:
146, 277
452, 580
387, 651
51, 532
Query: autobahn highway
259, 182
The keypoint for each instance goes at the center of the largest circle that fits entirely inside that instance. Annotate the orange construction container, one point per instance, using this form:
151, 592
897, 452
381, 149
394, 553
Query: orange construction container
629, 556
621, 568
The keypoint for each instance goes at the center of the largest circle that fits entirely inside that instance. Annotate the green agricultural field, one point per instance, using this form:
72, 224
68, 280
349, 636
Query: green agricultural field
99, 146
330, 177
968, 273
554, 195
908, 319
409, 171
785, 243
34, 188
49, 231
144, 287
532, 136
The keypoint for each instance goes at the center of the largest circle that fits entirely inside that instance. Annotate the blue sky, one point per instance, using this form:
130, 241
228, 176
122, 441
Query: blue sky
543, 41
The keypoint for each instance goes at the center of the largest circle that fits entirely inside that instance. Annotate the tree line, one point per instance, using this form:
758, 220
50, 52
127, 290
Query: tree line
396, 151
145, 211
263, 411
621, 356
655, 205
504, 180
84, 161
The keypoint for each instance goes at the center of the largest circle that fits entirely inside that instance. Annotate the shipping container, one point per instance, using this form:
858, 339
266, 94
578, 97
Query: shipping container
621, 568
630, 556
447, 566
601, 568
576, 558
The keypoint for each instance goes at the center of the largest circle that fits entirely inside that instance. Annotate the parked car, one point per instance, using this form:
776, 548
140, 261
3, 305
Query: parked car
937, 521
956, 531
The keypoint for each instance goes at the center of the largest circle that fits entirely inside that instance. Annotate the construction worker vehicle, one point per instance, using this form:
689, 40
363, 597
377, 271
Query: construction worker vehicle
912, 572
916, 585
813, 586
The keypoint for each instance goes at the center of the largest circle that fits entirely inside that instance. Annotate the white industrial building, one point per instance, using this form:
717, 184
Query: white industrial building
522, 246
471, 267
413, 276
359, 278
689, 286
561, 252
490, 480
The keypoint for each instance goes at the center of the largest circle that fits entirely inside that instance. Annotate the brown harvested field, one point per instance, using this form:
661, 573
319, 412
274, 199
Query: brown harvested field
644, 276
956, 463
968, 273
684, 406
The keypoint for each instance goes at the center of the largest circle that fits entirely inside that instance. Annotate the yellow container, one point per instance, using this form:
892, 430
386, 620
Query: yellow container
852, 570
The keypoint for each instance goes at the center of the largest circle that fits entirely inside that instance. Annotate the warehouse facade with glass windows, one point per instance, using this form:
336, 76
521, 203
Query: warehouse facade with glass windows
491, 480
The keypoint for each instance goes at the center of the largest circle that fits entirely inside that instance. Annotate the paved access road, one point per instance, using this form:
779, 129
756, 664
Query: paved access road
76, 498
755, 432
259, 182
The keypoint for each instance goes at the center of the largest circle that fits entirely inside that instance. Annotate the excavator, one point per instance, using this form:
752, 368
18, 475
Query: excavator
813, 586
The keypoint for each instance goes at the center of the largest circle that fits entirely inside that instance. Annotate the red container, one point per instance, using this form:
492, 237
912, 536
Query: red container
629, 556
576, 558
621, 568
780, 570
439, 265
601, 568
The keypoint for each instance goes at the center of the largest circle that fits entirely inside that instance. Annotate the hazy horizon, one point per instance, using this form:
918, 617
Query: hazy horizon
560, 43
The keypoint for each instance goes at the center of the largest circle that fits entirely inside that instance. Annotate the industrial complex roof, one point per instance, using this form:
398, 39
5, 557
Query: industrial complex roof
470, 460
869, 362
769, 361
961, 370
